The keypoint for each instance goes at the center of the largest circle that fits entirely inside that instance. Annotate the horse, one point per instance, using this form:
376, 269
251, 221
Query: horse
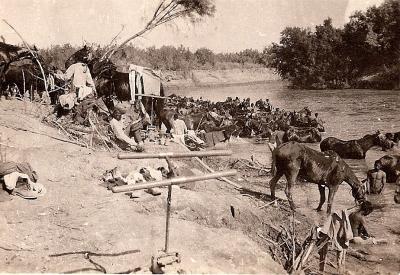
9, 54
325, 169
302, 135
352, 149
259, 128
390, 164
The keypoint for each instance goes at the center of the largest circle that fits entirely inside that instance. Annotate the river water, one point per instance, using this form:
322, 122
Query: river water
349, 114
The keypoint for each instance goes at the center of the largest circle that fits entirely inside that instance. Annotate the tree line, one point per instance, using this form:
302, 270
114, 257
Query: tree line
163, 58
365, 53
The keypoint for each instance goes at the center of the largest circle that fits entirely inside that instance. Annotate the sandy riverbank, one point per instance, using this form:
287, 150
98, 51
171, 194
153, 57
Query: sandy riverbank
210, 78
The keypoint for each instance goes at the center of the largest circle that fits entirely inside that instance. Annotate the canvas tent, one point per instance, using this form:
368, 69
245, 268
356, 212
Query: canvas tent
144, 81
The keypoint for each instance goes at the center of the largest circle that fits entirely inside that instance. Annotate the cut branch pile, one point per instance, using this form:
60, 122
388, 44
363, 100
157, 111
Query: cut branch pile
94, 133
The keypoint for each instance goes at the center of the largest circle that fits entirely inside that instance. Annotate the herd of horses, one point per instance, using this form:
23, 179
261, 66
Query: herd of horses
327, 168
291, 158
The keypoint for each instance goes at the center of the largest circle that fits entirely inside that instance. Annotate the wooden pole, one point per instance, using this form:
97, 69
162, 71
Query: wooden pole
209, 169
175, 154
23, 78
153, 96
1, 151
173, 181
294, 242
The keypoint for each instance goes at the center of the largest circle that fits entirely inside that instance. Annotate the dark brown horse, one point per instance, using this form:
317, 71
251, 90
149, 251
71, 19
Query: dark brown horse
9, 54
325, 169
352, 149
302, 135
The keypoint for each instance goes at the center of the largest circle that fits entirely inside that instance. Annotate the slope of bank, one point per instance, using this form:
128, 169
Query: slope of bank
203, 78
78, 218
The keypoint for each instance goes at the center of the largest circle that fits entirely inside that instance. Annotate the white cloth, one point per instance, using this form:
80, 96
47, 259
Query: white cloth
132, 85
214, 115
338, 228
84, 92
143, 81
134, 177
10, 180
151, 82
52, 84
67, 101
192, 134
156, 174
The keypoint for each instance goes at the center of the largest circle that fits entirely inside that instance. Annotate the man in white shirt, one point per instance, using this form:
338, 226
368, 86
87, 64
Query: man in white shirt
179, 129
118, 127
82, 81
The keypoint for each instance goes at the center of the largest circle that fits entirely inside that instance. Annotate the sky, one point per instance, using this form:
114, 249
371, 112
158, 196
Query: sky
236, 25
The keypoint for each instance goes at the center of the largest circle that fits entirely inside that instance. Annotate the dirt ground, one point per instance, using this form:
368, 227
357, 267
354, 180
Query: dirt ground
78, 215
80, 226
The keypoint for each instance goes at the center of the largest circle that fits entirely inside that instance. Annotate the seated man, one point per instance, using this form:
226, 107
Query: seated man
122, 139
358, 224
82, 81
376, 179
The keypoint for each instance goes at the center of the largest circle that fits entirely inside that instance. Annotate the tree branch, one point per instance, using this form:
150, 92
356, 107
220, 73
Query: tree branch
33, 55
166, 11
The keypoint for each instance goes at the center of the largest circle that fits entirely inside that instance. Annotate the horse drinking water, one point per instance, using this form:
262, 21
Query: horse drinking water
293, 159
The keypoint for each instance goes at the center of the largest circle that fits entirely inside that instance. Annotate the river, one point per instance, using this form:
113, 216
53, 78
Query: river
349, 114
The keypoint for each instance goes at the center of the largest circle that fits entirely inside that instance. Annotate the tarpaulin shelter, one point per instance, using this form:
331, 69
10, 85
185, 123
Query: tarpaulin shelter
144, 81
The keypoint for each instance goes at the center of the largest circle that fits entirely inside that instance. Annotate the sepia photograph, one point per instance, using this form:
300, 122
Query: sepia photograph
200, 136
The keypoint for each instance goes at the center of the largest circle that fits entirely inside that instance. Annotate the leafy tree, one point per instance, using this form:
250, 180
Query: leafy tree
204, 56
168, 10
292, 58
334, 58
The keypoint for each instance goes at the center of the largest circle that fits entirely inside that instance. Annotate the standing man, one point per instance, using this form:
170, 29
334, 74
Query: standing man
179, 129
376, 179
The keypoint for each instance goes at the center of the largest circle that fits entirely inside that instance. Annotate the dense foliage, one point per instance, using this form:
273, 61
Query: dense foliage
165, 58
366, 51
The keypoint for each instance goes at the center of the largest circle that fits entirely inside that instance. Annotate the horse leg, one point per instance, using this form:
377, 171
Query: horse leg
272, 183
322, 198
331, 195
291, 177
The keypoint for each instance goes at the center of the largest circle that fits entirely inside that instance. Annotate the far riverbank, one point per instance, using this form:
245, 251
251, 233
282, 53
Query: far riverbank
217, 78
